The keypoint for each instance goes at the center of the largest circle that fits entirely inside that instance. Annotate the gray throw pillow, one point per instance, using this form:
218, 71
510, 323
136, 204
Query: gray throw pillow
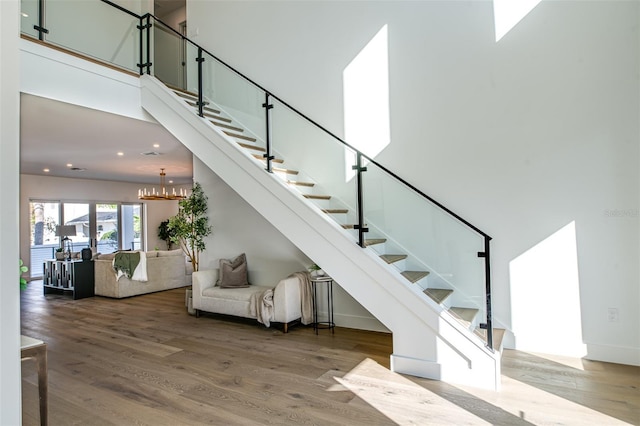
233, 273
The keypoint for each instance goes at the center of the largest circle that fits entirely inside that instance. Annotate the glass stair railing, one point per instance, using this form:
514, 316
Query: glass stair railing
433, 248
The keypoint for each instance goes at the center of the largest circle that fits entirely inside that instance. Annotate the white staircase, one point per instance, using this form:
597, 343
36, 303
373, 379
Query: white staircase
429, 339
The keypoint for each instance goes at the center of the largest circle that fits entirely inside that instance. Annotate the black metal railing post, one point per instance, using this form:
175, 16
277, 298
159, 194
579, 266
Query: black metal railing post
142, 27
360, 226
488, 325
40, 27
200, 102
267, 108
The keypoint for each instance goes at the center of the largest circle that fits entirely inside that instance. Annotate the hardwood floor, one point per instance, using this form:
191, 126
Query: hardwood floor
145, 361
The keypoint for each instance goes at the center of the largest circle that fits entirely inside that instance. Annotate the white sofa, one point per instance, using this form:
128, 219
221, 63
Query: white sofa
209, 297
166, 269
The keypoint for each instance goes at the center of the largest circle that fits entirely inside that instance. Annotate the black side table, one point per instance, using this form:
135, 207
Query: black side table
329, 323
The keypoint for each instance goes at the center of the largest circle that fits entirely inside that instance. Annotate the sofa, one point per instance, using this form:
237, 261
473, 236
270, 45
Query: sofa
165, 269
286, 302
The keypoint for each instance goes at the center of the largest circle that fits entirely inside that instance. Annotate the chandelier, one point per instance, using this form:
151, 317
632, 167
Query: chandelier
162, 193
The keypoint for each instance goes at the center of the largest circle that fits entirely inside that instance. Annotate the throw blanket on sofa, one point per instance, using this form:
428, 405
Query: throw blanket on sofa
133, 265
261, 304
306, 296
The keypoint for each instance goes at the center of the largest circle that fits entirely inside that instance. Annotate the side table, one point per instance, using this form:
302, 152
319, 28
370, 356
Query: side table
329, 323
37, 349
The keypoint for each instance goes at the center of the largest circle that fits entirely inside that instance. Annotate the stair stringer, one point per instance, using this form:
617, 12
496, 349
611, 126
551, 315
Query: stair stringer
426, 341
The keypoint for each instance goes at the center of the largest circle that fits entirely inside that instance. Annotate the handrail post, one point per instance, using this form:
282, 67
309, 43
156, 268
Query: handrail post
200, 102
267, 107
488, 325
360, 226
40, 27
142, 27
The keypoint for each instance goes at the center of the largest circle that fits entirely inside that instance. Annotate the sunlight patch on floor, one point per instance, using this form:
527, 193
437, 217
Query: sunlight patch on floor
400, 399
571, 362
539, 407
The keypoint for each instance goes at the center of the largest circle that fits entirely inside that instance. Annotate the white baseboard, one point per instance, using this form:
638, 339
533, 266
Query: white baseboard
357, 322
615, 354
416, 367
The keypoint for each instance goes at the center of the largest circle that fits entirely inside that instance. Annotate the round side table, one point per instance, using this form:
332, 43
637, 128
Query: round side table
329, 323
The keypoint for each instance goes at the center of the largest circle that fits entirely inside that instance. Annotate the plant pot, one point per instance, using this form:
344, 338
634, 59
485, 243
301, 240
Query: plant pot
60, 255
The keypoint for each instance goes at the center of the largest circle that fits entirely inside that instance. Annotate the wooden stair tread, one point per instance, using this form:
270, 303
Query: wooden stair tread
253, 147
292, 182
275, 160
438, 294
205, 108
317, 197
414, 276
464, 315
348, 226
179, 90
186, 95
335, 211
391, 258
374, 241
498, 336
227, 126
287, 171
216, 117
237, 136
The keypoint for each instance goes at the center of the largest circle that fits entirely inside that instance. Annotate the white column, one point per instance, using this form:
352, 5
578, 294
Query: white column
10, 389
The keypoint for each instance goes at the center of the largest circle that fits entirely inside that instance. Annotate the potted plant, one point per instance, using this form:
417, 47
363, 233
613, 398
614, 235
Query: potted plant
59, 253
191, 225
23, 281
165, 234
315, 270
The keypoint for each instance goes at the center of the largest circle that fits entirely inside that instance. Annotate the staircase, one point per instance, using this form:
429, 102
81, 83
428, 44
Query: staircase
431, 338
466, 316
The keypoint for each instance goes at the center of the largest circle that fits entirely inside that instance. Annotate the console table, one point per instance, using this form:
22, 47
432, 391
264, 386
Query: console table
69, 276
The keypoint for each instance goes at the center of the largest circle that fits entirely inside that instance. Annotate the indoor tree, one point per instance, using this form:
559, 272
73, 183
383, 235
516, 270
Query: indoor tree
164, 233
191, 225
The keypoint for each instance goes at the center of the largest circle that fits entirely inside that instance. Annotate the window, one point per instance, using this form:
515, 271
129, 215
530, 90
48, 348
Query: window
104, 227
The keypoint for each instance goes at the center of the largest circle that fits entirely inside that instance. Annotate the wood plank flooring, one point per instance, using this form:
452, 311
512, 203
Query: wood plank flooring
145, 361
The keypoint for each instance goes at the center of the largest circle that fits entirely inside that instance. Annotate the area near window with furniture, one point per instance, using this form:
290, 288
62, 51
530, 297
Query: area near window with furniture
516, 183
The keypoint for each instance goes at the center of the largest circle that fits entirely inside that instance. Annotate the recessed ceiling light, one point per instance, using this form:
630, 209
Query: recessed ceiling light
45, 170
156, 145
170, 181
69, 165
120, 154
25, 15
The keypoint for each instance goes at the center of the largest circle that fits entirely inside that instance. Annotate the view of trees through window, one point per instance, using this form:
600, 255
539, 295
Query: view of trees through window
103, 227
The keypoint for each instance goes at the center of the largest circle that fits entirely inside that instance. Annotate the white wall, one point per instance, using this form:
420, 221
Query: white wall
10, 389
239, 228
523, 137
85, 190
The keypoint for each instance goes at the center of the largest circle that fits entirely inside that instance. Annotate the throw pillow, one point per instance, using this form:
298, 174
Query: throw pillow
233, 273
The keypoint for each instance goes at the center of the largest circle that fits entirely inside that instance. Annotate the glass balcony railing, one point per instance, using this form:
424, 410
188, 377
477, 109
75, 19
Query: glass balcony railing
434, 248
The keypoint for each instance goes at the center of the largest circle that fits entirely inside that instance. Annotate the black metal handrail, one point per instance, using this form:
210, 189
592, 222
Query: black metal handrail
371, 160
268, 95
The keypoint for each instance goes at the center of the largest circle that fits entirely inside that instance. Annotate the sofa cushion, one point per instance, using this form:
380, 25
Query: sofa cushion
233, 273
240, 294
168, 253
